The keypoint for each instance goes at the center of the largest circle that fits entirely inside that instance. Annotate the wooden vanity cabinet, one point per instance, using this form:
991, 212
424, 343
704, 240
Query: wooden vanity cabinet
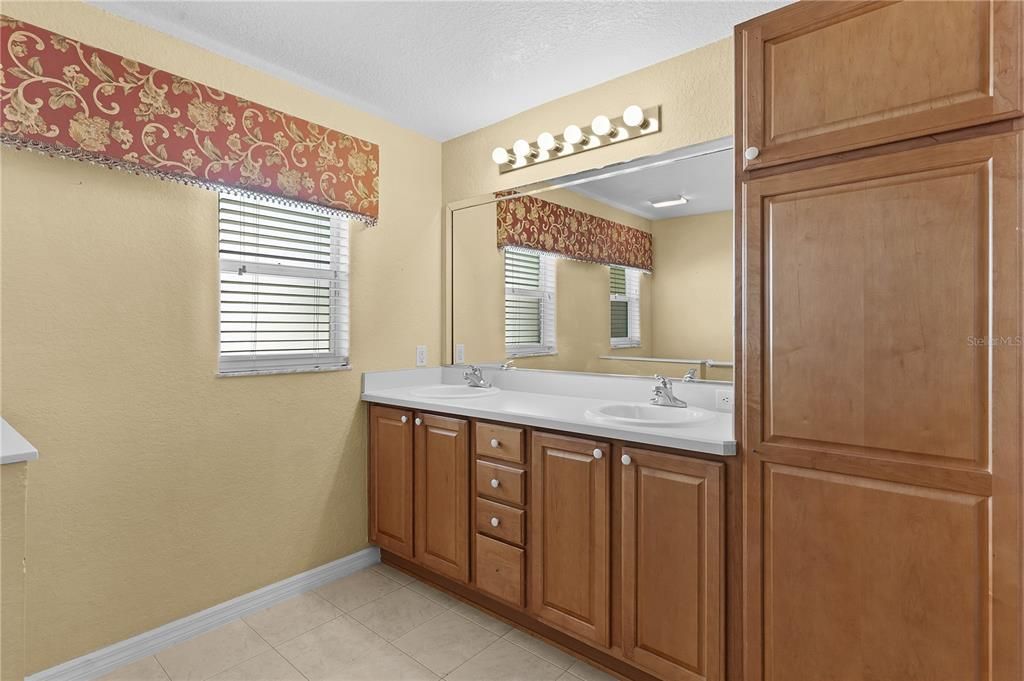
570, 535
816, 78
391, 479
442, 495
671, 556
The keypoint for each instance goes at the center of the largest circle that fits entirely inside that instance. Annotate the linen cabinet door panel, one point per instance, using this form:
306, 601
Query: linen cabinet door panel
569, 539
671, 565
820, 78
881, 322
391, 479
442, 495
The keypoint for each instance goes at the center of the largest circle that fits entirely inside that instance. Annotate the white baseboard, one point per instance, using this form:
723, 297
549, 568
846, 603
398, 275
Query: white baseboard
104, 660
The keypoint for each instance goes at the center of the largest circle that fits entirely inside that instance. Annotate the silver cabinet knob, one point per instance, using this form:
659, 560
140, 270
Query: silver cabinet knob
626, 460
598, 453
405, 419
494, 483
751, 153
494, 443
419, 421
495, 522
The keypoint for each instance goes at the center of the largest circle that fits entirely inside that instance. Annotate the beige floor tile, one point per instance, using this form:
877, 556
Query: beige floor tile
505, 661
397, 613
584, 671
211, 653
391, 573
325, 652
436, 595
481, 618
355, 590
541, 649
385, 664
268, 666
292, 617
146, 669
445, 642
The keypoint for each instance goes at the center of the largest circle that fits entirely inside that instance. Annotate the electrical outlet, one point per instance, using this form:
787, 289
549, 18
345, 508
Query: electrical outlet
421, 355
460, 353
723, 399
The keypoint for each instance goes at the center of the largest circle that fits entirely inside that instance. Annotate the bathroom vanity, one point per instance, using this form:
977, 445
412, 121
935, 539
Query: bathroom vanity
605, 537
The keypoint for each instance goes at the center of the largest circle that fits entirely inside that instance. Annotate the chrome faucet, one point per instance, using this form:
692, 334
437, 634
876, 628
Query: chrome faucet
663, 396
508, 365
690, 376
475, 378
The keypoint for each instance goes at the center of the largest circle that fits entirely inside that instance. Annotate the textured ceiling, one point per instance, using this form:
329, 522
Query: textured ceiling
444, 68
702, 173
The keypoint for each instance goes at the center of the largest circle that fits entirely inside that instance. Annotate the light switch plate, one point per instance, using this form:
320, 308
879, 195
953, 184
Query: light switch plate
421, 355
460, 353
723, 399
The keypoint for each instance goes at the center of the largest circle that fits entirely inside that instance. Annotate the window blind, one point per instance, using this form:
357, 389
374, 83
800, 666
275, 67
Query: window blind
529, 303
283, 288
624, 298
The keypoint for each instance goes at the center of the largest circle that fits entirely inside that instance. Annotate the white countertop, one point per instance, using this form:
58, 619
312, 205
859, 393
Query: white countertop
13, 447
558, 412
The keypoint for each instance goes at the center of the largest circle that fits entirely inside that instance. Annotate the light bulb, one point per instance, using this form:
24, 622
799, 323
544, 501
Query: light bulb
522, 149
500, 156
573, 135
601, 125
547, 142
634, 117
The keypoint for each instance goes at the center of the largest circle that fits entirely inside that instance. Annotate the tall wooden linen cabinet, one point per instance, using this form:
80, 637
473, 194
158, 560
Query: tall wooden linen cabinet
879, 327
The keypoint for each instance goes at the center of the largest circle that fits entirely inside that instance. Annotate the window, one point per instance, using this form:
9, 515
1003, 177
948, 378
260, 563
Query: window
529, 303
624, 289
283, 288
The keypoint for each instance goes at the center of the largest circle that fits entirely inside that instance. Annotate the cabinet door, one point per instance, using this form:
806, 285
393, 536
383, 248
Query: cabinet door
391, 475
672, 565
442, 495
822, 77
569, 536
882, 324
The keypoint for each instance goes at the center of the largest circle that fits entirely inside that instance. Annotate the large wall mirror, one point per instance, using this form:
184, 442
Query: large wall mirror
621, 270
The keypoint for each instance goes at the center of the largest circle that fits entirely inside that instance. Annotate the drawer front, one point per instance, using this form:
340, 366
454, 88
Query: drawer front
501, 482
500, 442
500, 570
501, 522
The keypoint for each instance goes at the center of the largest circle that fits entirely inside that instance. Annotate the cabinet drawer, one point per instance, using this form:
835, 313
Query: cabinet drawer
510, 521
500, 442
501, 482
499, 570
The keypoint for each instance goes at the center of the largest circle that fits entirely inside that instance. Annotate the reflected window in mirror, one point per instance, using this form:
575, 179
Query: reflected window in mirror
624, 294
529, 303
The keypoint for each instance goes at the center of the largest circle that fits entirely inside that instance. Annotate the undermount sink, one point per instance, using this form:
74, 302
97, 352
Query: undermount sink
649, 415
453, 392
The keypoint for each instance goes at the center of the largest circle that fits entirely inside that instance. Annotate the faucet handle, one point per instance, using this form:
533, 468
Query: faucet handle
661, 380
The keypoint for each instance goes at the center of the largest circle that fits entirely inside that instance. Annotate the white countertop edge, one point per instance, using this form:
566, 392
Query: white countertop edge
693, 444
14, 448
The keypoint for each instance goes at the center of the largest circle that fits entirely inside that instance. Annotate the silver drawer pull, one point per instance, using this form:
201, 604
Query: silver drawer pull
494, 443
598, 453
419, 422
495, 522
405, 419
495, 483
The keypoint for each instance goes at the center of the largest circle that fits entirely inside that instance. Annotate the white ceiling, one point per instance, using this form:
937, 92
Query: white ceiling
704, 176
445, 68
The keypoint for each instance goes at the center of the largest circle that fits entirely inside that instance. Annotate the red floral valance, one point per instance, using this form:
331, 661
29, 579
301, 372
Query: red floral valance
536, 224
68, 99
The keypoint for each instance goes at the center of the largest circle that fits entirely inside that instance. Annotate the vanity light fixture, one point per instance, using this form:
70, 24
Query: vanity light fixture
665, 203
603, 131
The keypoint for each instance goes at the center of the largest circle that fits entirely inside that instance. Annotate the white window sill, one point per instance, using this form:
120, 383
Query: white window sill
626, 346
528, 353
273, 372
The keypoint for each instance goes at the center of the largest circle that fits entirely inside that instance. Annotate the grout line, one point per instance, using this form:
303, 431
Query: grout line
159, 664
333, 619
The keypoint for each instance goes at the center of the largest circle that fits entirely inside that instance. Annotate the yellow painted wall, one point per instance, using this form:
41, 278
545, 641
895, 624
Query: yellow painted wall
13, 499
695, 90
693, 288
163, 490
